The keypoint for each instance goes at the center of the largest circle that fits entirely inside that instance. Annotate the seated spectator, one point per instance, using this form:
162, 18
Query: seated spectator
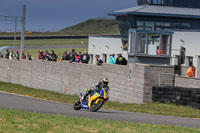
1, 55
53, 56
68, 56
7, 54
121, 60
29, 57
47, 56
85, 57
191, 71
78, 57
40, 55
62, 58
112, 59
98, 60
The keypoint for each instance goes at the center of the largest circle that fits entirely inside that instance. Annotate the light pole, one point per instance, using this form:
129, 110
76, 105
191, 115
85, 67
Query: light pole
23, 29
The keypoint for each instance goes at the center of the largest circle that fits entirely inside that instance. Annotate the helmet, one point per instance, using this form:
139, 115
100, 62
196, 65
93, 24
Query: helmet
105, 81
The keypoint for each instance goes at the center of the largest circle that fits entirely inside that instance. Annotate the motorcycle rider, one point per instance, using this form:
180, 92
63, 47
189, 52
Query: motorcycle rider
98, 86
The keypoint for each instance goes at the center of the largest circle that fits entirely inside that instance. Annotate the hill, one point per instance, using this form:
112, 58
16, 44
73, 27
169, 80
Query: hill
94, 26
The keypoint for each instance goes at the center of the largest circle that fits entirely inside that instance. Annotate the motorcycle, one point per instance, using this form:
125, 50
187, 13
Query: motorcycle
93, 101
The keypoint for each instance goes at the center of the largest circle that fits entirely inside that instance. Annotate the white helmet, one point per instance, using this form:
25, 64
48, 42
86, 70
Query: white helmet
105, 81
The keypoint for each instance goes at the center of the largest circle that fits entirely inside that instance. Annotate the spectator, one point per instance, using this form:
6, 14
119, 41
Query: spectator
40, 55
157, 51
53, 56
73, 54
7, 54
1, 55
63, 57
68, 56
11, 55
23, 56
29, 57
121, 60
17, 55
98, 60
47, 56
85, 57
191, 71
78, 57
112, 59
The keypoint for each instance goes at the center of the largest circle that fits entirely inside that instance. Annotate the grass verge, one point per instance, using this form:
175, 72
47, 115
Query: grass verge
45, 42
28, 122
153, 108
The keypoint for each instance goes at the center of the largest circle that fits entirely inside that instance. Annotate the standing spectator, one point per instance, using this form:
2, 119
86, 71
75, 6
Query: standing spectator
1, 55
11, 55
98, 60
85, 57
112, 59
121, 60
23, 56
17, 55
7, 54
73, 54
53, 56
191, 71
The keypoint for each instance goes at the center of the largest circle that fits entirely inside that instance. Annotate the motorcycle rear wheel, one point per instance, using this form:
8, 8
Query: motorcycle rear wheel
96, 106
77, 105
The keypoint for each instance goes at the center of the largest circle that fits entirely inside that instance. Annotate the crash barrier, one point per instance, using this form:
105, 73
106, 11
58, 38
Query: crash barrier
129, 84
177, 95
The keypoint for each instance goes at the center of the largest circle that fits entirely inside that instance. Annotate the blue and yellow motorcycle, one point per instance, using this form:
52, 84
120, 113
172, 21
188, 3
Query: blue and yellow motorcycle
93, 101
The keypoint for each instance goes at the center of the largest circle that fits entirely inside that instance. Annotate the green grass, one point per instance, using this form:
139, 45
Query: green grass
45, 42
153, 108
12, 121
94, 26
59, 52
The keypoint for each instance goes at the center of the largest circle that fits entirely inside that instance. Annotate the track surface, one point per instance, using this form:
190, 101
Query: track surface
42, 106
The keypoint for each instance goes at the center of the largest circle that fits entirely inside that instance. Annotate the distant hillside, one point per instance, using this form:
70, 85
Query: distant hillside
94, 26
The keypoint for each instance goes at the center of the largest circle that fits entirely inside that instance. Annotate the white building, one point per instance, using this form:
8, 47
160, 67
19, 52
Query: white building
106, 45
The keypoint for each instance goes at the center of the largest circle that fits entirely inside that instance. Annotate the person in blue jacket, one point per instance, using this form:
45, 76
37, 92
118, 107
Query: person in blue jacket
112, 59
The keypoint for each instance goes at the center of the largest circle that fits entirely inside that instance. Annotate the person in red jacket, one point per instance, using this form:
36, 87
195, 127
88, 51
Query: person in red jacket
191, 71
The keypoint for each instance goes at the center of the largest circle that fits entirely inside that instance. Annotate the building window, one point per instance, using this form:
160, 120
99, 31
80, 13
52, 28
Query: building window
145, 25
189, 60
176, 25
141, 43
185, 26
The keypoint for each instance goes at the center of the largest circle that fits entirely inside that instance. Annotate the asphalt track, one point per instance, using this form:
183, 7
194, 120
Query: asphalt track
11, 101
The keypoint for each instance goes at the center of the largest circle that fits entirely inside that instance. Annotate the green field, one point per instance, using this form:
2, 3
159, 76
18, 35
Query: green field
152, 108
12, 121
45, 42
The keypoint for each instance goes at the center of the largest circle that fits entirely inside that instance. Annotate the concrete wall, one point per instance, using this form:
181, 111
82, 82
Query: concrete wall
187, 82
129, 84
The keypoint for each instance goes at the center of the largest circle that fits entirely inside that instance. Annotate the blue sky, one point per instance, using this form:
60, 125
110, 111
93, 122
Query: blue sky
58, 14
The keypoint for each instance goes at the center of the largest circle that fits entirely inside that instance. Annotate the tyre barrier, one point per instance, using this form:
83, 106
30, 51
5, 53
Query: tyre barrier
177, 95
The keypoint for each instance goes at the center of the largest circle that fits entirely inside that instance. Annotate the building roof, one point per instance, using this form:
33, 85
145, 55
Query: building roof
153, 10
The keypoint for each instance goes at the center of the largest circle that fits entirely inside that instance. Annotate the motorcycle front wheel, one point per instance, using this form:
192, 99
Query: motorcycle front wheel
96, 106
77, 105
